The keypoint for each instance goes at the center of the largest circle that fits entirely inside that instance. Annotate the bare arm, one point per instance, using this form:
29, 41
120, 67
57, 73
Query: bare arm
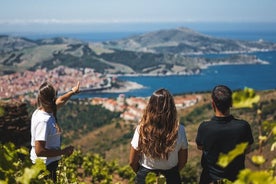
41, 151
134, 157
182, 158
60, 101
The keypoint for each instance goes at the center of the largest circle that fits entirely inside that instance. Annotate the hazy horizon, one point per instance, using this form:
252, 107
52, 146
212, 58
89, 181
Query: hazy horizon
141, 27
52, 16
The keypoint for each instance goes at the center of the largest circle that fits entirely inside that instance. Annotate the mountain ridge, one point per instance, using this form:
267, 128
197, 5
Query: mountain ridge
186, 41
161, 52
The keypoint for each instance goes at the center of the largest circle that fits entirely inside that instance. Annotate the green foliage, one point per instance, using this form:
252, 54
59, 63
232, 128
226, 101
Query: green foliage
88, 60
81, 118
68, 167
267, 131
225, 159
72, 169
245, 98
255, 177
136, 60
126, 173
268, 109
32, 173
16, 167
274, 130
151, 178
100, 170
258, 159
189, 174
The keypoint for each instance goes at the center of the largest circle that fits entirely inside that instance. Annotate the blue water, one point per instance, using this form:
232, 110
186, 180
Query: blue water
269, 36
258, 77
240, 31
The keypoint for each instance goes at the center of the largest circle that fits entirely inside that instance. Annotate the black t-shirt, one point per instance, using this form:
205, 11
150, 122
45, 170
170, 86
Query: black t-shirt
221, 135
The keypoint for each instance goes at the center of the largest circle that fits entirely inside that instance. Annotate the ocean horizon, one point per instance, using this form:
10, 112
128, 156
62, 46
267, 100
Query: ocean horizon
251, 31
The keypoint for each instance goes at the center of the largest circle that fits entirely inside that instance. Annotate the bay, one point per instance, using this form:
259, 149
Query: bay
258, 77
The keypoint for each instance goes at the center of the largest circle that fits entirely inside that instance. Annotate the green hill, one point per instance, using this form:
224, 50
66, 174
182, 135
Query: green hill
158, 53
185, 41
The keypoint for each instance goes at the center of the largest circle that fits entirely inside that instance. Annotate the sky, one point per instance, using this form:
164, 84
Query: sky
77, 15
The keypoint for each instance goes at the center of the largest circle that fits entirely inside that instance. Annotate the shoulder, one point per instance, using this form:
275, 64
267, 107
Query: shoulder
241, 121
181, 131
135, 138
137, 129
181, 128
41, 116
205, 123
182, 138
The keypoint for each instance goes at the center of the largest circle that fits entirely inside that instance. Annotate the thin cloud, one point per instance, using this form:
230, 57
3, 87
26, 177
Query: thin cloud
86, 21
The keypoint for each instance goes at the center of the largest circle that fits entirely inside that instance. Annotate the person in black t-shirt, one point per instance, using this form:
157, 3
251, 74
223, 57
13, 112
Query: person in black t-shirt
221, 134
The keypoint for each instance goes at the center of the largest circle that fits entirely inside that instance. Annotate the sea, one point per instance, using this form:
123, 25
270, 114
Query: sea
258, 77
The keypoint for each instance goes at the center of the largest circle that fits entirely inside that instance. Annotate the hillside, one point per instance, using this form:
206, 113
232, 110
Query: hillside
155, 53
187, 42
111, 139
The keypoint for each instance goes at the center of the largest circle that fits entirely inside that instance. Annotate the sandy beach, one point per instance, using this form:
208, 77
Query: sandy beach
125, 86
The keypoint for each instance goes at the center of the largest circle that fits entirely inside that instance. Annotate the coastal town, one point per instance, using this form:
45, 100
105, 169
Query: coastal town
132, 108
23, 87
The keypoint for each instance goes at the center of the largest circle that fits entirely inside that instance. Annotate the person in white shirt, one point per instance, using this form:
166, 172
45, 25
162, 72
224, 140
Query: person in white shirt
45, 130
159, 143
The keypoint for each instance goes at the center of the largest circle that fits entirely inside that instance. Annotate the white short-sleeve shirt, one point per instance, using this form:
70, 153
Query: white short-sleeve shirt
164, 164
43, 129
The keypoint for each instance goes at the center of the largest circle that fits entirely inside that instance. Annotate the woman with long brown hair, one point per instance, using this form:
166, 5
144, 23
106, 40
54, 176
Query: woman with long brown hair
159, 143
45, 130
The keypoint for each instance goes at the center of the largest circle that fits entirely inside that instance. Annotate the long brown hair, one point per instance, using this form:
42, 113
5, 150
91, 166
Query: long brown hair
159, 126
46, 99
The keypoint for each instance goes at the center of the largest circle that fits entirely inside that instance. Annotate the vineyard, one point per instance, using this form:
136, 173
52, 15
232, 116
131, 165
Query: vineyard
88, 167
79, 168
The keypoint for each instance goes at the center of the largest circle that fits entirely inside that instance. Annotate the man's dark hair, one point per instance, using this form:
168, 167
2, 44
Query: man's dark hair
222, 97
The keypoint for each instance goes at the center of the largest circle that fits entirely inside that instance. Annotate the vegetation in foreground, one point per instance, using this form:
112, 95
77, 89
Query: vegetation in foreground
15, 166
